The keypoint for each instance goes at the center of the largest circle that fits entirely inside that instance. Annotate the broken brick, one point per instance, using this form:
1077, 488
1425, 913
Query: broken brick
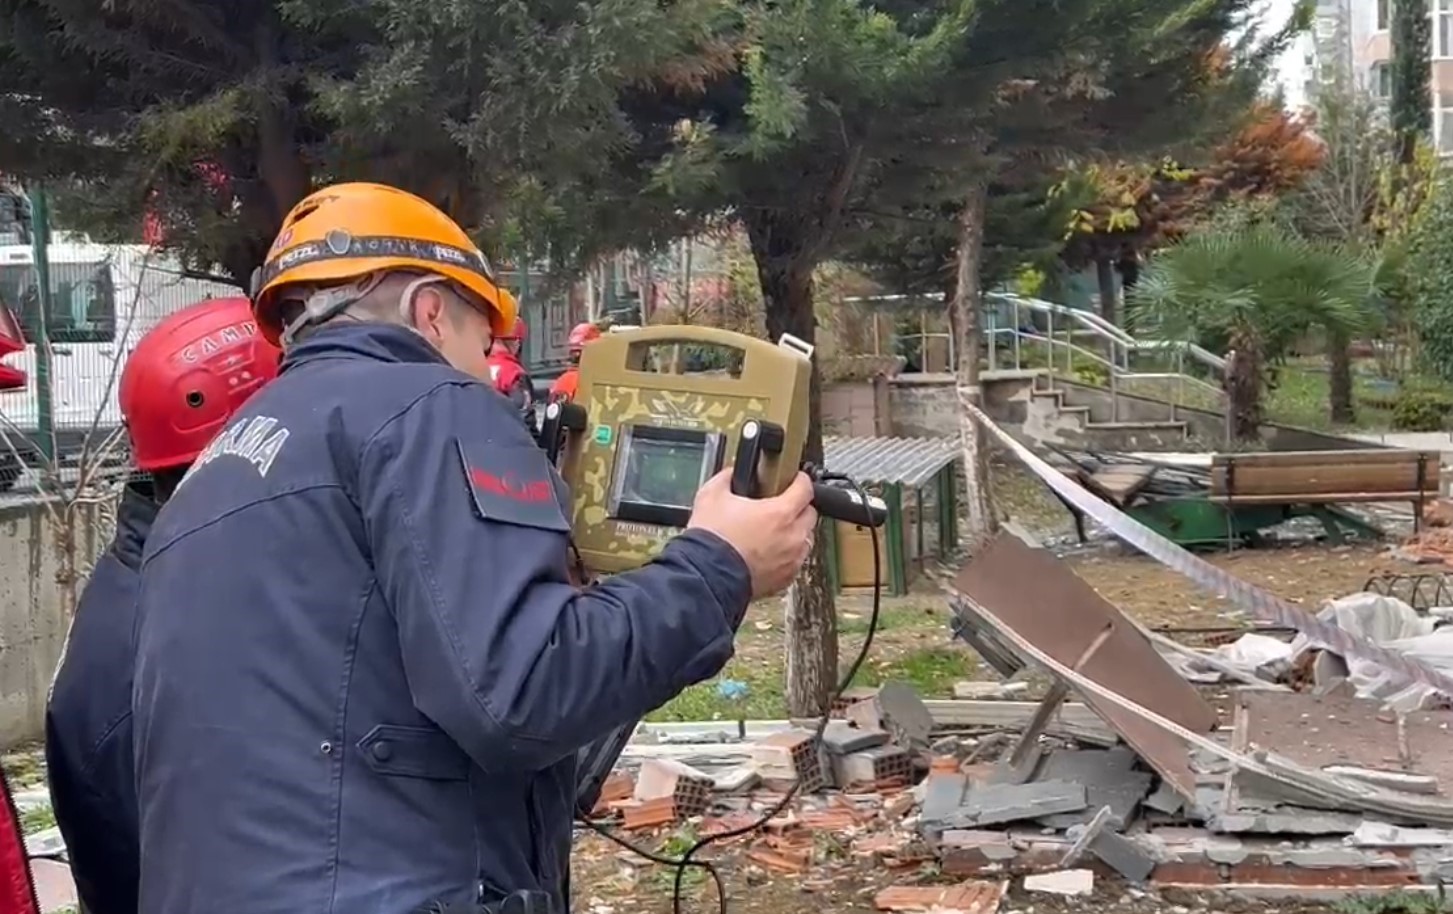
875, 766
617, 787
649, 813
791, 756
781, 861
964, 898
689, 789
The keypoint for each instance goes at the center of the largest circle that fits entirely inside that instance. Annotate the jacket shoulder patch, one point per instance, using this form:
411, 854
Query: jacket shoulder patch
512, 485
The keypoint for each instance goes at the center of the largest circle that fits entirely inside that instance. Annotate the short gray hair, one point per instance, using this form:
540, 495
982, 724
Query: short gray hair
379, 304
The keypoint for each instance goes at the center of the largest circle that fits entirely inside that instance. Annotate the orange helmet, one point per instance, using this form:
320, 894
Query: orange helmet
187, 376
581, 334
347, 231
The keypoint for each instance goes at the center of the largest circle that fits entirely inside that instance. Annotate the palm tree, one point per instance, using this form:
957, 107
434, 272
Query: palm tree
1250, 289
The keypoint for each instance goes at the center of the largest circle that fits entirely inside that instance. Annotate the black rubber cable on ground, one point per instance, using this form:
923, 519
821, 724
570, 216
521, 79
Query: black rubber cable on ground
686, 861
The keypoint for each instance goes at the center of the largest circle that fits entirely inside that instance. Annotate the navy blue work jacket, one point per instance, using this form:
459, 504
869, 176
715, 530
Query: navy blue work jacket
88, 752
362, 673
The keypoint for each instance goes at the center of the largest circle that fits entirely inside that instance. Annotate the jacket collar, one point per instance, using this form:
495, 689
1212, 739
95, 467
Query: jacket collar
134, 517
360, 340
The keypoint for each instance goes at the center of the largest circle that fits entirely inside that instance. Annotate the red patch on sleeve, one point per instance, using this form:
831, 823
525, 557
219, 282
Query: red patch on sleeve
508, 487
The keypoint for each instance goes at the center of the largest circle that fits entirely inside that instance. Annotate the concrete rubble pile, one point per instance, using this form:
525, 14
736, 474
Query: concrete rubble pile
1121, 771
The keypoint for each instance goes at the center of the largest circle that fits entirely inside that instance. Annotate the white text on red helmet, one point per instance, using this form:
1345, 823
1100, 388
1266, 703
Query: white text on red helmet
213, 342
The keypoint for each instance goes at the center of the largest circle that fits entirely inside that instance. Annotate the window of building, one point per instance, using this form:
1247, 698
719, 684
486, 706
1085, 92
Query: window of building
1443, 28
82, 306
1443, 121
1379, 80
1382, 14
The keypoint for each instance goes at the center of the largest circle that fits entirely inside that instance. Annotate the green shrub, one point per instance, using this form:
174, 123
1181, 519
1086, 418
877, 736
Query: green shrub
1092, 373
1429, 274
1420, 411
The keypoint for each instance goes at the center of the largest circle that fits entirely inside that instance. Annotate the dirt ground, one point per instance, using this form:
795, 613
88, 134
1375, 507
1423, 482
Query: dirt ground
609, 880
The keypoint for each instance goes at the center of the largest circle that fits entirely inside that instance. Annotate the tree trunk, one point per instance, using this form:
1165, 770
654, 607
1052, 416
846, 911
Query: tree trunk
811, 616
1340, 363
1105, 276
966, 307
1243, 389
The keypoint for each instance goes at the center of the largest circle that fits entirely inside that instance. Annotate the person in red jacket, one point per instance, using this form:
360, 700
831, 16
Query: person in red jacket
508, 374
565, 385
17, 890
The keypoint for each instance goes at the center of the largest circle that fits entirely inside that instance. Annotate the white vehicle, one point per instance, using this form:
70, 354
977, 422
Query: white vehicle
104, 298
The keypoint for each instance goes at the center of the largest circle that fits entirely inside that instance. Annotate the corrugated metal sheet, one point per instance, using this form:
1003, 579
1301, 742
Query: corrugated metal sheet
911, 462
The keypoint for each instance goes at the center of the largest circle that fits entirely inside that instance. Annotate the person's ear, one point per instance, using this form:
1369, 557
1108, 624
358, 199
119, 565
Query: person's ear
430, 313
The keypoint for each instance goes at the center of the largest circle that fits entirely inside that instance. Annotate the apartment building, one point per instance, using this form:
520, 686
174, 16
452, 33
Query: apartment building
1351, 36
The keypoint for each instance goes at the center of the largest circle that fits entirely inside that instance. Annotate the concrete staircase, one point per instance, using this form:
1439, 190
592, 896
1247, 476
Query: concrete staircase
1072, 416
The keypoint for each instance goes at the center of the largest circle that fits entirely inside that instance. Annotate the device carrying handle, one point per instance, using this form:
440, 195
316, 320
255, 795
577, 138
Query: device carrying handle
675, 333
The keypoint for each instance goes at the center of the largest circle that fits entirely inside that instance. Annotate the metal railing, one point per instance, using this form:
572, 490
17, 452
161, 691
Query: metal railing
1024, 333
1061, 340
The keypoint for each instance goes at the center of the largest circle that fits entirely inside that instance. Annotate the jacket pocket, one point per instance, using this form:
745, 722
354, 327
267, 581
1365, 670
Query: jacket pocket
413, 752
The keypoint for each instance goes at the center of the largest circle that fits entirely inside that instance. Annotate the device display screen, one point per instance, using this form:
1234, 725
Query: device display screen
659, 470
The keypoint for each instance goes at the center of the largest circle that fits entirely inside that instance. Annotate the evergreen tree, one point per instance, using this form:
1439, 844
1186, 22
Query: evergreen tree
1411, 106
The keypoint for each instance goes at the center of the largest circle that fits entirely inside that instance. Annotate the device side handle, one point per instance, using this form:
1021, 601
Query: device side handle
845, 504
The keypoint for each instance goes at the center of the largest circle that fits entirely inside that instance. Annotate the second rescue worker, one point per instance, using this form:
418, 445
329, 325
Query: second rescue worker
568, 383
362, 672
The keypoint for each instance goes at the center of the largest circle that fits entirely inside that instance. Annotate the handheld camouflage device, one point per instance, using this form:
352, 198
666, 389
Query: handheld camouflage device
658, 411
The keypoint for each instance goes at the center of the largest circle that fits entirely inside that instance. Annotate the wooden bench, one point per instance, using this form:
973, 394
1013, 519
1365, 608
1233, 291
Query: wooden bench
1327, 477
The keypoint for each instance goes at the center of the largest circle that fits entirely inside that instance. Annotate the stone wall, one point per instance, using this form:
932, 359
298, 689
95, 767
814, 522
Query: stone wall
926, 406
34, 602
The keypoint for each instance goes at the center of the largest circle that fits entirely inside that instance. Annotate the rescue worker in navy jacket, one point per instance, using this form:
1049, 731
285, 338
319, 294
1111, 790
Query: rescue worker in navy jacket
184, 380
362, 671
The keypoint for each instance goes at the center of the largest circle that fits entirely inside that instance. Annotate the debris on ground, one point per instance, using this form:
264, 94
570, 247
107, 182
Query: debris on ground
1121, 770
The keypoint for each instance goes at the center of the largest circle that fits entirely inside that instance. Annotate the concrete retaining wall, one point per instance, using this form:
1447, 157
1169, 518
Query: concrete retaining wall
35, 603
925, 406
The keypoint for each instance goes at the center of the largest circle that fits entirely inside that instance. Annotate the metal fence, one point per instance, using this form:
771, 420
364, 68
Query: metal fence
103, 299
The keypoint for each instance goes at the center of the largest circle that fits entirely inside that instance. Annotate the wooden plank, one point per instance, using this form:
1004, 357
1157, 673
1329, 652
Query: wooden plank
1321, 498
1326, 475
1303, 458
1119, 484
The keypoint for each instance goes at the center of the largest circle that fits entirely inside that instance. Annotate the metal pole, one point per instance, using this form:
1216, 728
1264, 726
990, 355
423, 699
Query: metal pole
40, 249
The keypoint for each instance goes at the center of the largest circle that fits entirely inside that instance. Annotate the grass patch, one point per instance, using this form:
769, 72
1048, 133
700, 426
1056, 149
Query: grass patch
930, 670
37, 819
1303, 396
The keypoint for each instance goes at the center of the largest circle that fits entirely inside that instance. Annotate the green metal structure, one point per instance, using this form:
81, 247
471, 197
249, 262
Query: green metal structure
920, 473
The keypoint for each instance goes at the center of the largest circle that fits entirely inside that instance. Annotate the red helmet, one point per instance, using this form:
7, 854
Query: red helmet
188, 375
582, 334
517, 332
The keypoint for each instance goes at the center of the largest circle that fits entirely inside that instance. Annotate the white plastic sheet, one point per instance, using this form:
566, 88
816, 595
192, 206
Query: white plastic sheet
1395, 625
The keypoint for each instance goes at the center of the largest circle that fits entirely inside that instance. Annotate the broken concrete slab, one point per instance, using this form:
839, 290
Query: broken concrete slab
1122, 855
1065, 882
1109, 779
841, 737
1380, 834
989, 690
1164, 799
943, 793
994, 804
898, 709
1082, 835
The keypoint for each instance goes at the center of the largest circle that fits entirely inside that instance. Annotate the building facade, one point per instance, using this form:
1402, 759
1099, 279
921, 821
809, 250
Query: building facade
1352, 37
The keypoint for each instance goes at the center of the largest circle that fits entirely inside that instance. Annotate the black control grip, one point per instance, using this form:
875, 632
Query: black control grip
846, 504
